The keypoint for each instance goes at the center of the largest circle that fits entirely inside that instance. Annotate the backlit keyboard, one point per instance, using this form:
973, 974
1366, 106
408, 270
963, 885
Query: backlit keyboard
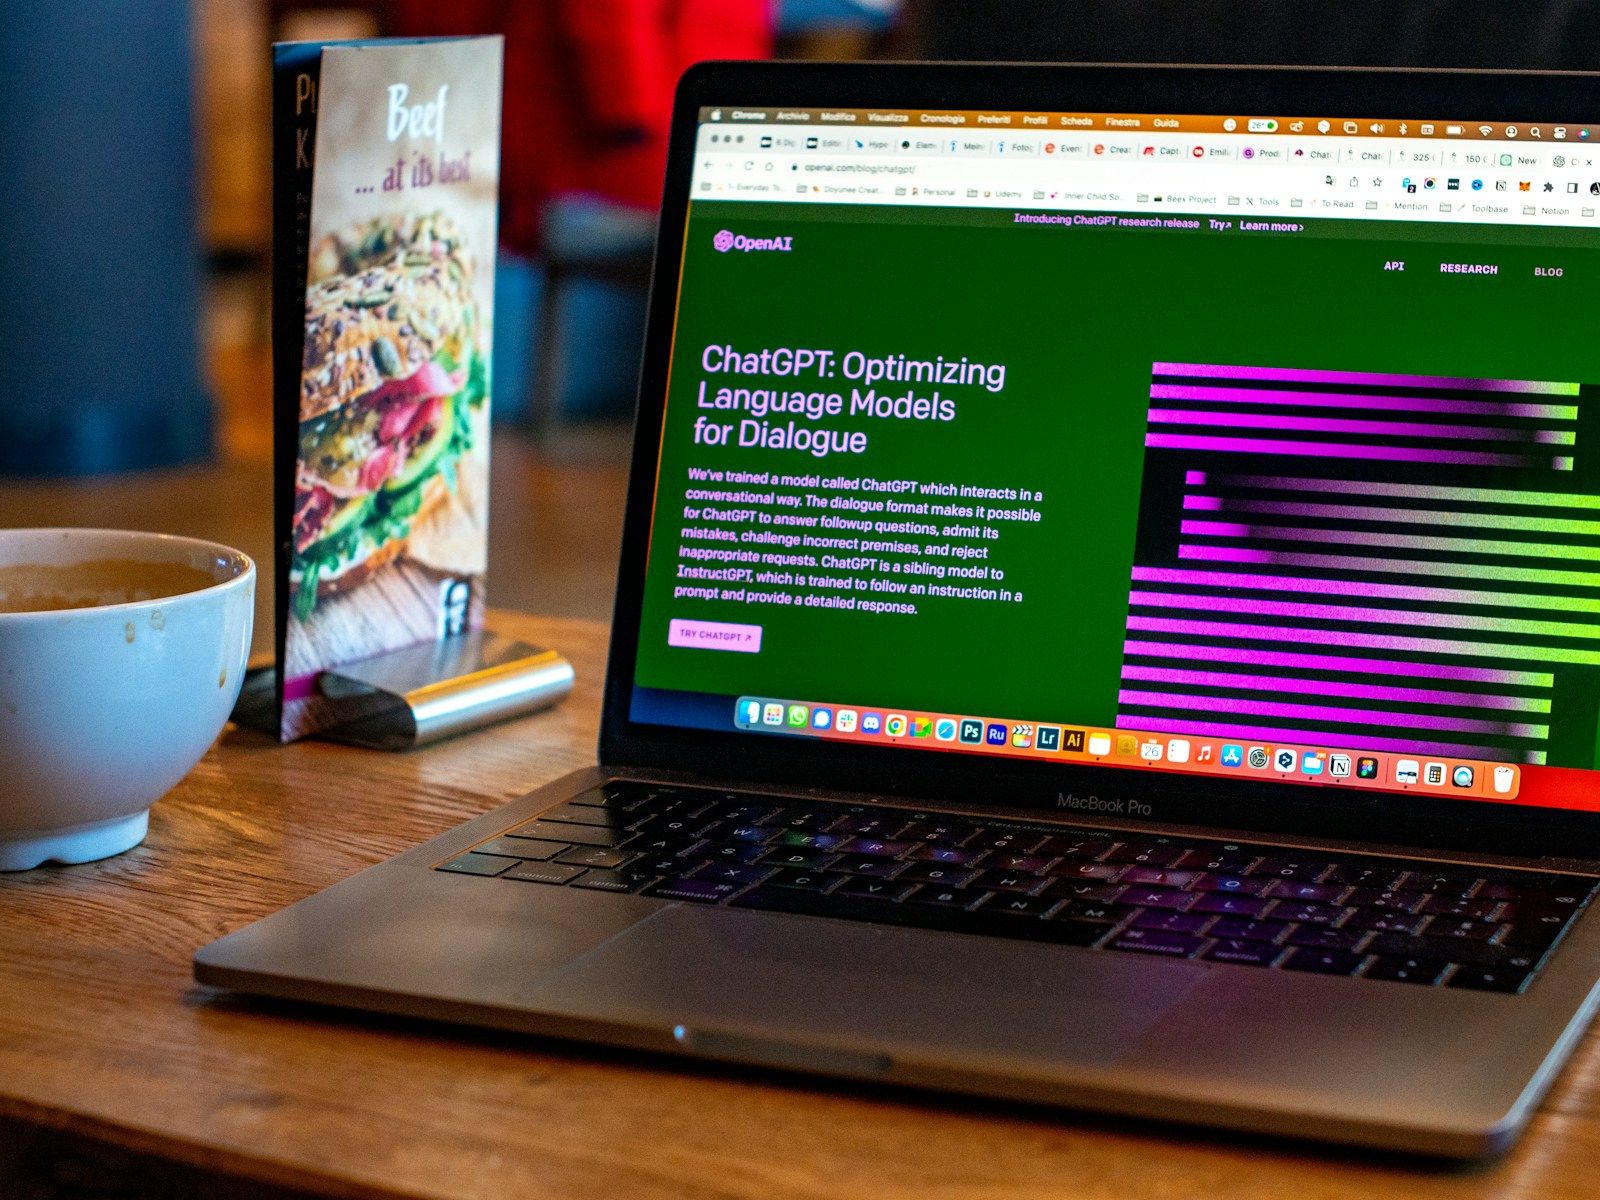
1260, 906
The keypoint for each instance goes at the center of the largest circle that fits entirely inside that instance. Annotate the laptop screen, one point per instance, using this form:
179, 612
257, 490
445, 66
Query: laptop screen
1247, 445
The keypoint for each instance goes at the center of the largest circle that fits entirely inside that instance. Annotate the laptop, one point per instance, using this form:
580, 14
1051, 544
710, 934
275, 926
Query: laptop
1108, 613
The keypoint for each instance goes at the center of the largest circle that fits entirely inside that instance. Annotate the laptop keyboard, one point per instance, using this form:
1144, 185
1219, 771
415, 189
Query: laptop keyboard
1260, 906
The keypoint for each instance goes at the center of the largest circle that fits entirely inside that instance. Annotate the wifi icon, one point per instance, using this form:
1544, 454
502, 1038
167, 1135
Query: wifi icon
1485, 130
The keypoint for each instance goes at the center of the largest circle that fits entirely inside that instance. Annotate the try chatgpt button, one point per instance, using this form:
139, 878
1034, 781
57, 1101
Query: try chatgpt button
715, 635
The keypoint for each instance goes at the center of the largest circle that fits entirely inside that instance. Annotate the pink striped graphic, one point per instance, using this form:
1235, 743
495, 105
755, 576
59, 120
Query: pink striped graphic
1254, 656
1359, 378
1416, 429
1329, 713
1329, 687
1299, 611
1349, 587
1469, 458
1355, 741
1437, 404
1356, 638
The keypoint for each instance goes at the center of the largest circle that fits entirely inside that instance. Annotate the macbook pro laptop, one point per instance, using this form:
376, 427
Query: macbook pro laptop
1109, 612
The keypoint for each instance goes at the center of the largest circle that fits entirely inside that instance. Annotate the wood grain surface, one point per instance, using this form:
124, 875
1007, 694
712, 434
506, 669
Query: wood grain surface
107, 1045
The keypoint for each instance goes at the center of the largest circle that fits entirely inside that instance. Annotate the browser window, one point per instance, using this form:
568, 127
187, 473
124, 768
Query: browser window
1227, 445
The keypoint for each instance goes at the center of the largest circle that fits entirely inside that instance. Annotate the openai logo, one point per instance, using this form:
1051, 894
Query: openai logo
726, 240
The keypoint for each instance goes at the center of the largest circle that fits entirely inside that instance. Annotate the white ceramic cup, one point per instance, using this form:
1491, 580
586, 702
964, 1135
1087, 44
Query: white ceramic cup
104, 709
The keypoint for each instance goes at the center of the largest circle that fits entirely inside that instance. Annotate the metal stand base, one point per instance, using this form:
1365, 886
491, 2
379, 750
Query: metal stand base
420, 694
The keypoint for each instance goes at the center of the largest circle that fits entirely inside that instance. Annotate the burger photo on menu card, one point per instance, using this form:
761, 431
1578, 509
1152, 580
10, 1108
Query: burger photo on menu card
393, 373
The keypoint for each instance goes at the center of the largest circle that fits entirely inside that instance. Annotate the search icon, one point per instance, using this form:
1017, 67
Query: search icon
1534, 132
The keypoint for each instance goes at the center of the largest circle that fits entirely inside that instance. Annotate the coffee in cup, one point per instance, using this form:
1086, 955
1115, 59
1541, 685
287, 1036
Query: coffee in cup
123, 654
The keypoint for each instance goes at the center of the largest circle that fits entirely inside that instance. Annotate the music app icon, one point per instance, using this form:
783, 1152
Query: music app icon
1204, 754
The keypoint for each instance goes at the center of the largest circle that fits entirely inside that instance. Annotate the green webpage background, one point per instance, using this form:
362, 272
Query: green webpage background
1077, 315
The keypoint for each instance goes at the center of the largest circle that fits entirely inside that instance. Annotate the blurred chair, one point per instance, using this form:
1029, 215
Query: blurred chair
100, 279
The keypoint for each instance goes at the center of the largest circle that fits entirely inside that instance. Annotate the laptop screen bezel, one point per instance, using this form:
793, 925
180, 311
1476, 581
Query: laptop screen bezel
972, 780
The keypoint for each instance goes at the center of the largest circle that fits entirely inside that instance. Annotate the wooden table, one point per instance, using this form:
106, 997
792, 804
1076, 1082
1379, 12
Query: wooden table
119, 1076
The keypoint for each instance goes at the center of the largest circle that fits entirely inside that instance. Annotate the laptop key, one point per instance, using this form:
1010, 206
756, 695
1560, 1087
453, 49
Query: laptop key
1236, 906
593, 856
1320, 937
1154, 897
734, 853
1149, 941
1243, 929
803, 840
1290, 889
953, 855
606, 881
1489, 979
1154, 876
1381, 921
703, 891
1250, 954
1450, 950
539, 872
1380, 877
1070, 868
1168, 921
730, 873
1472, 931
926, 916
1425, 971
808, 881
1148, 854
947, 897
877, 847
878, 868
1068, 889
1017, 904
1066, 846
926, 872
1308, 914
1304, 869
1400, 901
1097, 913
583, 835
1233, 885
1221, 862
582, 814
1323, 962
515, 847
798, 859
477, 864
870, 888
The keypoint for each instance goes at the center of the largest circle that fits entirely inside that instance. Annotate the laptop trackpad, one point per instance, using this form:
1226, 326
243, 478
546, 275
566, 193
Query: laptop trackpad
779, 980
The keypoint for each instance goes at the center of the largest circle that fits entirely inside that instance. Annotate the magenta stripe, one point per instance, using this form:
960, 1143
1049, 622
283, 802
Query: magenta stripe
1470, 458
1299, 611
1327, 687
1331, 587
1194, 478
1359, 400
1203, 503
1418, 429
1305, 737
1184, 701
1320, 637
1255, 657
1354, 378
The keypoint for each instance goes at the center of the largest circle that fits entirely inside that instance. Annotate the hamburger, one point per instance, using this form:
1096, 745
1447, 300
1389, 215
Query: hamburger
391, 374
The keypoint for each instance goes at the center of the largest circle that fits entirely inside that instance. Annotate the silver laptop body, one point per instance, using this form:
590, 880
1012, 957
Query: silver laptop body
1187, 279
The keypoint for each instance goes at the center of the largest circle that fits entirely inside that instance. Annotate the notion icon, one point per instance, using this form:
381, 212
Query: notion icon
1339, 765
1099, 744
1503, 779
1406, 770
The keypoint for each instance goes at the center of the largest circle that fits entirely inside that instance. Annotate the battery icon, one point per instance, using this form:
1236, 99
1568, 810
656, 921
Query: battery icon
1262, 125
